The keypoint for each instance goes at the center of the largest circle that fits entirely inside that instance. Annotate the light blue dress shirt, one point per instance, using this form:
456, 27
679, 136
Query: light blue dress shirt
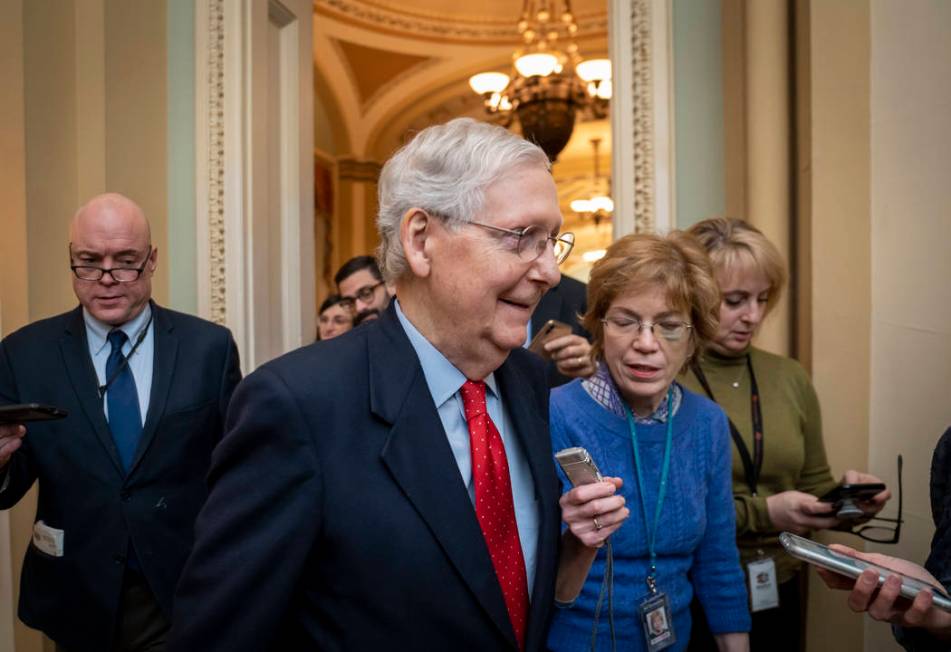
444, 381
140, 363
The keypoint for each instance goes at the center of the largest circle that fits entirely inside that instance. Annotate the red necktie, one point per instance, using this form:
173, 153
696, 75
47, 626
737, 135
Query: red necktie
494, 506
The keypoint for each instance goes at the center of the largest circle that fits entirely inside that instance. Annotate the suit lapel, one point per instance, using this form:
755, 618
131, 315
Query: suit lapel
82, 376
418, 456
163, 365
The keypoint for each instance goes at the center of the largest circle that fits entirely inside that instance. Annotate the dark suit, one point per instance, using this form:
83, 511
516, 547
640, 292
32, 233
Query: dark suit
82, 489
564, 302
338, 520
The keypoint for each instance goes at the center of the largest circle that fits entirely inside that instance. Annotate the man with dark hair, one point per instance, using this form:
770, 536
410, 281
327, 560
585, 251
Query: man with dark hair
359, 280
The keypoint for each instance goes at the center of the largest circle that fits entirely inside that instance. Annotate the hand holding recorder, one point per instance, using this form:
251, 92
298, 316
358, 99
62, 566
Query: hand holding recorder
593, 510
12, 431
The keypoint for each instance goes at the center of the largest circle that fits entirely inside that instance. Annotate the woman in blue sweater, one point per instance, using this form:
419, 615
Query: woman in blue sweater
667, 503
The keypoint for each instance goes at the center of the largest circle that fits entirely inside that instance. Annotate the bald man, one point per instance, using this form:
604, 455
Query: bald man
121, 478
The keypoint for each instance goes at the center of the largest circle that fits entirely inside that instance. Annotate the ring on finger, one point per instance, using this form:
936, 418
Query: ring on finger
597, 523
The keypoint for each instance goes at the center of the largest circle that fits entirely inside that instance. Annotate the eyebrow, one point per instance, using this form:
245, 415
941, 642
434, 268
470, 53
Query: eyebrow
632, 313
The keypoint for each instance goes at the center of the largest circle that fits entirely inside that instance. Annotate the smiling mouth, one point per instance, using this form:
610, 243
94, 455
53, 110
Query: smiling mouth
518, 304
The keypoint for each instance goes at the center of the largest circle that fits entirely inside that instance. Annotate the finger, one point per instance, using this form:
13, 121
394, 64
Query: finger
588, 492
835, 581
845, 550
917, 614
12, 430
862, 592
561, 342
883, 606
816, 507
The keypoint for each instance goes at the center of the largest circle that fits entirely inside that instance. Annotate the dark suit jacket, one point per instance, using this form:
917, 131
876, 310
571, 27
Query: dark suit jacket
564, 302
82, 489
338, 520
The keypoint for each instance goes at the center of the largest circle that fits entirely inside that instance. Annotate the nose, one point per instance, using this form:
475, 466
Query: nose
361, 304
111, 280
754, 312
545, 269
645, 340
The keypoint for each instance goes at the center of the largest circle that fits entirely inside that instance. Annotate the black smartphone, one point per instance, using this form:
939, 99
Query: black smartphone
853, 492
26, 412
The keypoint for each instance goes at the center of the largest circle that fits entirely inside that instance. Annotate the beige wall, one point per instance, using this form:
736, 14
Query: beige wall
910, 245
840, 274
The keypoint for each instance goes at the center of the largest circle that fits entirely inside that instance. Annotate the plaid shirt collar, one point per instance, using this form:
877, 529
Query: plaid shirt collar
602, 388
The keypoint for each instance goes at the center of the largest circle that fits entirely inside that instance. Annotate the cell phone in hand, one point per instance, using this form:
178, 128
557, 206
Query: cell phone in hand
26, 412
821, 556
844, 497
553, 329
578, 466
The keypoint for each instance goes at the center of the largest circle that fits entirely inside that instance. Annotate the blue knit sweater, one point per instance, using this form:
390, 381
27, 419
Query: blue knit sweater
696, 546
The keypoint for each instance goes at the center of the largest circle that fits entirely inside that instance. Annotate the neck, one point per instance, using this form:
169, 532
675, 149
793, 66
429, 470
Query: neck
716, 351
644, 407
475, 362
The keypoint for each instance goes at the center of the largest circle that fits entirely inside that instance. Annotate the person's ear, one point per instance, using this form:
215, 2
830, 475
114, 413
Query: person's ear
153, 259
416, 234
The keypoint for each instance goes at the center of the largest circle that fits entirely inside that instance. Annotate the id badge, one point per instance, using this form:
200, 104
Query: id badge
657, 623
764, 590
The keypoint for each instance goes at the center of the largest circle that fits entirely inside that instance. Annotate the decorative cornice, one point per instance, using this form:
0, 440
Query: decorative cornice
350, 169
216, 160
438, 28
643, 117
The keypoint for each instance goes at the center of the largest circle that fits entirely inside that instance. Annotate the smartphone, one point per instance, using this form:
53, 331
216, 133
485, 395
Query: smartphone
578, 466
552, 329
820, 555
853, 492
25, 412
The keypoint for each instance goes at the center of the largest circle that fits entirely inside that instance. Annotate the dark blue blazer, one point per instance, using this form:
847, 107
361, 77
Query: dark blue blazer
82, 489
338, 520
564, 302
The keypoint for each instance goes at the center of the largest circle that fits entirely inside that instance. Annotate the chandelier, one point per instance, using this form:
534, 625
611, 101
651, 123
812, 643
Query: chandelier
598, 206
550, 82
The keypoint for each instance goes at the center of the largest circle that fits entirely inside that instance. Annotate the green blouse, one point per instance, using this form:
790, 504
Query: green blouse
794, 455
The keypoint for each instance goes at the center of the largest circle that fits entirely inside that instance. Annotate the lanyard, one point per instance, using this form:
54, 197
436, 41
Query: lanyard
752, 466
125, 359
652, 527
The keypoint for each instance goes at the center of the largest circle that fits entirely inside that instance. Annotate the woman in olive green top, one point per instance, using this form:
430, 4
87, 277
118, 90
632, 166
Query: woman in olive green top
779, 459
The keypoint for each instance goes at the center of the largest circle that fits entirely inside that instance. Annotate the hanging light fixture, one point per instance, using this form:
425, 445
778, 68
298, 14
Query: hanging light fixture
599, 206
549, 82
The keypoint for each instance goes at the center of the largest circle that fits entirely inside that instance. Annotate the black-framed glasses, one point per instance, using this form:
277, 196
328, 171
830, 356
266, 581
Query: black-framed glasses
531, 242
363, 294
118, 274
671, 330
883, 533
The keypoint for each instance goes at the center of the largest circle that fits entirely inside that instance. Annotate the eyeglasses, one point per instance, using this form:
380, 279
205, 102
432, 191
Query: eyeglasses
883, 533
671, 330
363, 294
531, 242
118, 274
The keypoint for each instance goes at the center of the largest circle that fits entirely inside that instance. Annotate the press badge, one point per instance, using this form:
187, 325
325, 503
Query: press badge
764, 591
48, 539
656, 622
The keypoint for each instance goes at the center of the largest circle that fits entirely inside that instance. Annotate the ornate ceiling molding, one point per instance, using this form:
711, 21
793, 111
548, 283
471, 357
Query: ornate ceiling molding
487, 31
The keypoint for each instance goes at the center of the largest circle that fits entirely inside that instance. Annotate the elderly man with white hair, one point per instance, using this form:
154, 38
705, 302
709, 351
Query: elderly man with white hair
394, 488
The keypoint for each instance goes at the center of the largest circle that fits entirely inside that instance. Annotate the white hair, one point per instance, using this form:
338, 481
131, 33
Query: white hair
445, 170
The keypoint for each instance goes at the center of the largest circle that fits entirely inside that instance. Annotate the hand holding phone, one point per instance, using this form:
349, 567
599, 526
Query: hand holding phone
845, 496
552, 329
593, 510
837, 562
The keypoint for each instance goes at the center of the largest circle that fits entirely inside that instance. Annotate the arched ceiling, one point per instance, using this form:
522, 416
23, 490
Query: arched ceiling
391, 64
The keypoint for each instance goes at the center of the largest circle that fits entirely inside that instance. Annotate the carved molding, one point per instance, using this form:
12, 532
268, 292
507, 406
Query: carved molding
216, 160
642, 117
351, 169
438, 28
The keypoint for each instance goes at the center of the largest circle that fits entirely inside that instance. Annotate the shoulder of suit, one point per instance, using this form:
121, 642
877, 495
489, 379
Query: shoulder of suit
42, 329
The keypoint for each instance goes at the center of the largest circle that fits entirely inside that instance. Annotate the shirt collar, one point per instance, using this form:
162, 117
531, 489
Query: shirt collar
602, 388
97, 332
442, 377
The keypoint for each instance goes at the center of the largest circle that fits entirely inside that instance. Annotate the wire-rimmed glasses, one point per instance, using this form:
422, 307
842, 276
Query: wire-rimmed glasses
532, 241
884, 533
671, 330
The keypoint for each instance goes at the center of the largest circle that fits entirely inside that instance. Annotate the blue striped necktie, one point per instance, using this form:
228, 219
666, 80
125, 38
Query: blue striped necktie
125, 418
